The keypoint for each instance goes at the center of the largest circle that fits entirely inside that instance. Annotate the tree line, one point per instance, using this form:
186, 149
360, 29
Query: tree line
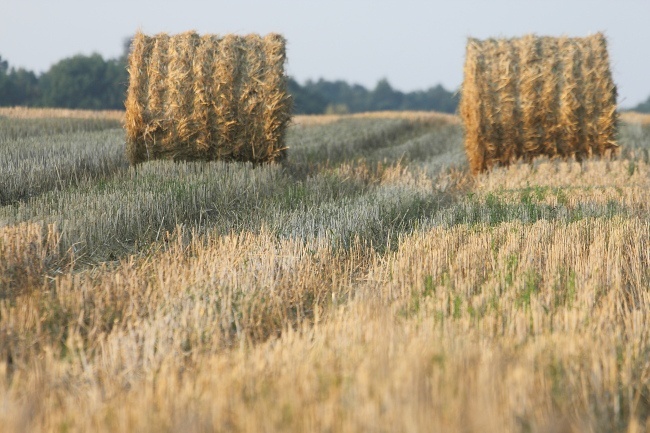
87, 82
92, 82
339, 97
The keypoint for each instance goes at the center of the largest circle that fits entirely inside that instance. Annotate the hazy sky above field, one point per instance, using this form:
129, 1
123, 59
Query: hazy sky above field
415, 44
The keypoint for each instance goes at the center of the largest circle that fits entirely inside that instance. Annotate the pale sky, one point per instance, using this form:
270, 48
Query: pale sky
415, 44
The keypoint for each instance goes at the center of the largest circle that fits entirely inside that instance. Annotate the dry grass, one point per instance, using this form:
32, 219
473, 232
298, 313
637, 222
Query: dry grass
620, 174
429, 117
27, 252
506, 303
461, 329
635, 118
34, 163
60, 113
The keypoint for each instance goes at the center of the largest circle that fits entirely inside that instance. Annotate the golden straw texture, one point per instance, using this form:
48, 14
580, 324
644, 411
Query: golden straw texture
207, 97
532, 96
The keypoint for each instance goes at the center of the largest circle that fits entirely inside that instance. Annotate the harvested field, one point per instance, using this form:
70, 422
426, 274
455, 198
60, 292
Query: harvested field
60, 113
369, 283
420, 116
632, 117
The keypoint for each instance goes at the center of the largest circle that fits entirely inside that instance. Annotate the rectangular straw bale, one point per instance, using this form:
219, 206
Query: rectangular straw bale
207, 97
533, 96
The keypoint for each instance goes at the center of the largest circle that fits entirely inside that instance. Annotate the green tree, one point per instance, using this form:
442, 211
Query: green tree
643, 107
4, 81
17, 86
87, 82
25, 87
436, 98
384, 97
305, 100
356, 98
339, 93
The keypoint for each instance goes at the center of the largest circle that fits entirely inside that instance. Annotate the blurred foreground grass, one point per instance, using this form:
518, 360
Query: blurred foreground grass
368, 283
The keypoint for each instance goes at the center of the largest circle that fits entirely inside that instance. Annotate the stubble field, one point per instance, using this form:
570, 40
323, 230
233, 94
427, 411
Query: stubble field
368, 283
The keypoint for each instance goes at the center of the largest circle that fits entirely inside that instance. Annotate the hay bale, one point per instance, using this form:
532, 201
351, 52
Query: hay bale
195, 97
533, 96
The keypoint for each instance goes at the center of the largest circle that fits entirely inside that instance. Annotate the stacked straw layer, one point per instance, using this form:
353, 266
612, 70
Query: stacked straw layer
195, 97
533, 96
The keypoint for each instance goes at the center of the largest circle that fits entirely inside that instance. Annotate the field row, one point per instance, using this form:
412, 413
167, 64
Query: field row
367, 283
